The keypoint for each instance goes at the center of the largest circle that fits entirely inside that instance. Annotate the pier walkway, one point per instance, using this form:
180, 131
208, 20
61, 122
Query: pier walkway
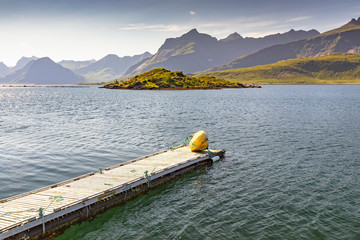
42, 212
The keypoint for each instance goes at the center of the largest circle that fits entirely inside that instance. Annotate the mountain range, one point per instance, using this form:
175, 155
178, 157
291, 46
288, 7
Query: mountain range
75, 65
109, 67
345, 39
194, 51
4, 70
42, 71
106, 69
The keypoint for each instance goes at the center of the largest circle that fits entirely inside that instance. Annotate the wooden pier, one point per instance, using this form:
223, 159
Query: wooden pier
47, 211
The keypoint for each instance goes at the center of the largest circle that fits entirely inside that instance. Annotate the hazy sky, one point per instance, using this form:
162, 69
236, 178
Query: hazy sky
86, 29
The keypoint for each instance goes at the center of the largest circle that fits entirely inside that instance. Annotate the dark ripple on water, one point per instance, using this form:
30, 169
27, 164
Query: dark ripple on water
291, 170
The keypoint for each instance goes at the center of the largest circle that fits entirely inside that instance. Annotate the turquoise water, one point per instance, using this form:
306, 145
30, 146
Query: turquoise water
291, 170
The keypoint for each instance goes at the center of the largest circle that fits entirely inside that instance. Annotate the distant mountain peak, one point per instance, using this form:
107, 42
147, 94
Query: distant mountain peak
40, 62
23, 58
192, 32
194, 35
111, 55
23, 62
109, 67
231, 37
44, 59
235, 34
110, 58
2, 64
354, 22
314, 31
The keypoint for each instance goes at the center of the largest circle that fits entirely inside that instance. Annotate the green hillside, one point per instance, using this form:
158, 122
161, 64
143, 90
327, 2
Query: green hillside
344, 39
160, 78
339, 68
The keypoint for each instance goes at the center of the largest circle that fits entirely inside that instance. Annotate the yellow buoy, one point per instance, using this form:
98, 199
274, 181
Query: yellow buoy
199, 142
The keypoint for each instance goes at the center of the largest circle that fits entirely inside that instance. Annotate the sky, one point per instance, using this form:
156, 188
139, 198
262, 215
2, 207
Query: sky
88, 29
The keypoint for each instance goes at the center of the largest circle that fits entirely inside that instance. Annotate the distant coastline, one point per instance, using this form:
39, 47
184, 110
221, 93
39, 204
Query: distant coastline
41, 85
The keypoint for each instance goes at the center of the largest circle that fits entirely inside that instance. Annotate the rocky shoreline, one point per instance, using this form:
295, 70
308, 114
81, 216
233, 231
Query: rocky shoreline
110, 86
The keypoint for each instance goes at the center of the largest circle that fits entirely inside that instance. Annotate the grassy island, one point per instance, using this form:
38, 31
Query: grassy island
162, 79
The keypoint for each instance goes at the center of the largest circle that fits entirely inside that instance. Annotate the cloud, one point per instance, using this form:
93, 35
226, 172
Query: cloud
171, 27
258, 24
259, 34
253, 27
192, 13
241, 23
298, 19
155, 27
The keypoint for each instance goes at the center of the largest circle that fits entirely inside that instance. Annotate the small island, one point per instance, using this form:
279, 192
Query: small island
162, 79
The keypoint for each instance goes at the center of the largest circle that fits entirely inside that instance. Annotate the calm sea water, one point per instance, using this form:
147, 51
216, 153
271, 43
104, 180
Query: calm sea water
291, 171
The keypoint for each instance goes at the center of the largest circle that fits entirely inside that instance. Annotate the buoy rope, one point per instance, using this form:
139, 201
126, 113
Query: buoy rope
54, 198
148, 178
203, 150
185, 140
